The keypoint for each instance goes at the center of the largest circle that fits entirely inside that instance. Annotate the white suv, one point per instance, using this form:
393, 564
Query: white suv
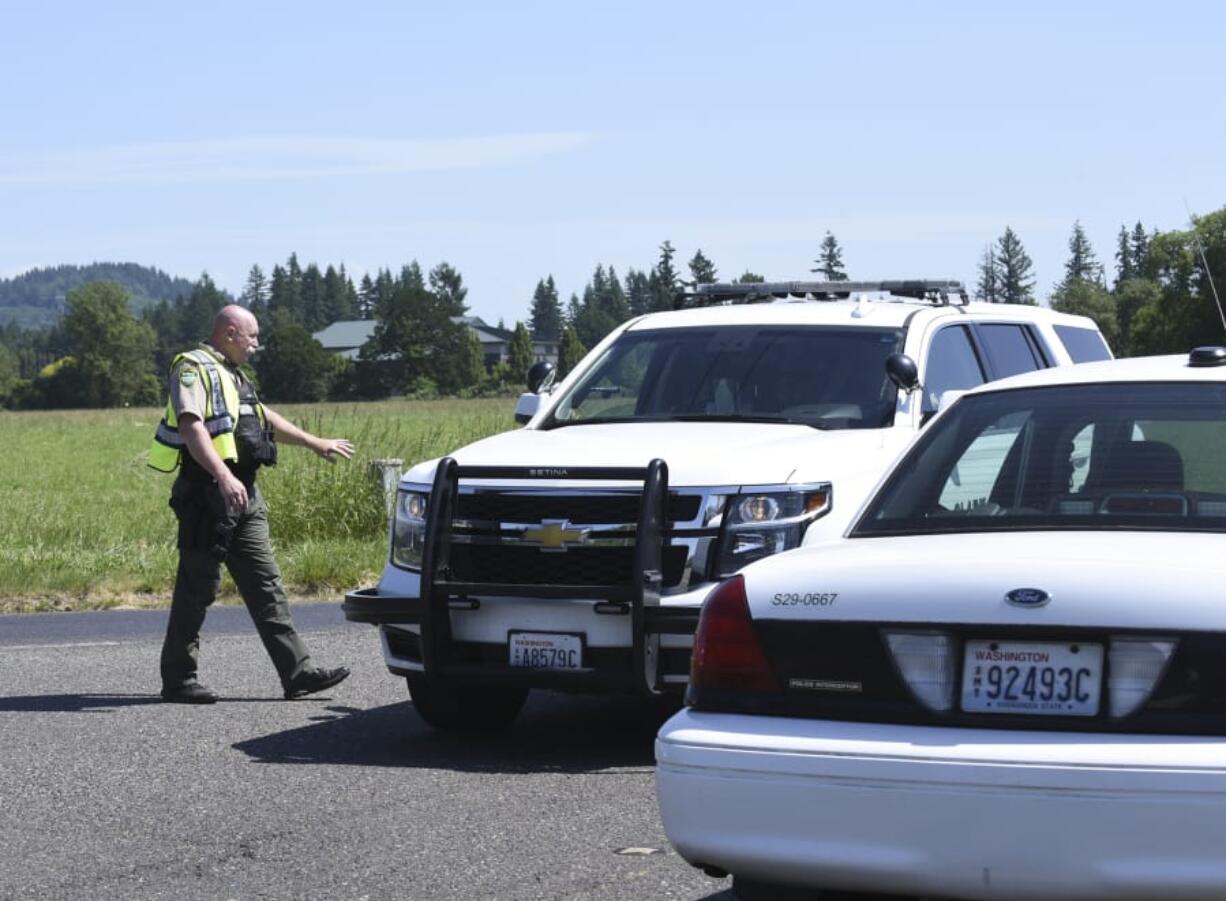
575, 553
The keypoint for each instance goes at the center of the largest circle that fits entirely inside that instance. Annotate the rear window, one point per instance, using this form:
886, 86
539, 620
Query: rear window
1084, 345
1126, 455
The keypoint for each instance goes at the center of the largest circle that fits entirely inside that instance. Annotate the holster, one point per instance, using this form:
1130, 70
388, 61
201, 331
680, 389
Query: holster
204, 522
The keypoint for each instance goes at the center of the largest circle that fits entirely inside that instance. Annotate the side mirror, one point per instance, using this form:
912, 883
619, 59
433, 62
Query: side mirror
541, 376
902, 371
526, 407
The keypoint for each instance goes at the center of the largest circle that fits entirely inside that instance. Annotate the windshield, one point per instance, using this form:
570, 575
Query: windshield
826, 377
1125, 455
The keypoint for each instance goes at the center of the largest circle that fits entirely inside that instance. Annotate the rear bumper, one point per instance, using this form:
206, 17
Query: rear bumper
955, 812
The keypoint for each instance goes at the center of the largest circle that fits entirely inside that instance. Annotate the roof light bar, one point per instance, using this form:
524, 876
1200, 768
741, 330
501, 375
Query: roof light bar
938, 291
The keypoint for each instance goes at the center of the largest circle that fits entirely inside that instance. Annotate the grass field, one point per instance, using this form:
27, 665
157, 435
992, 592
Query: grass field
84, 522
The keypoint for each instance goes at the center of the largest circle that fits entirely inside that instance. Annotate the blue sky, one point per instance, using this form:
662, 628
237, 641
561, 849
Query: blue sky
519, 140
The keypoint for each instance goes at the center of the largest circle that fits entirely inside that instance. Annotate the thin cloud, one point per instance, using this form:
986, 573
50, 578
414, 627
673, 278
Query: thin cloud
280, 158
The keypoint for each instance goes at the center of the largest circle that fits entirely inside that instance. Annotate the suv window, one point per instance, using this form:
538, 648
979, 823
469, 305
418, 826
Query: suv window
1011, 349
1084, 345
952, 365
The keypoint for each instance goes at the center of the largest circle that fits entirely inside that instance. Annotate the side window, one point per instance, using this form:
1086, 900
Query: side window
1083, 345
952, 365
1010, 349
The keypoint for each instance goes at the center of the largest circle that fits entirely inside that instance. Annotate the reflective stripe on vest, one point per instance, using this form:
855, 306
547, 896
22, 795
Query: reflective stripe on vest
220, 398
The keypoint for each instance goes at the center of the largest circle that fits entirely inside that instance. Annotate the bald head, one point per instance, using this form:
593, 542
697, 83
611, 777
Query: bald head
236, 334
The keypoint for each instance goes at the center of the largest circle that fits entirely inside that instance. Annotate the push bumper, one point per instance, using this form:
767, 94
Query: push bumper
954, 812
366, 605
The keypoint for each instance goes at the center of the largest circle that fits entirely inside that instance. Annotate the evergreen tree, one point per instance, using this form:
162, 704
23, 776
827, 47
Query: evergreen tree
1016, 280
278, 289
546, 315
366, 298
665, 279
1082, 264
191, 320
415, 328
640, 296
293, 286
1140, 250
988, 288
411, 276
749, 278
448, 286
702, 270
612, 299
255, 293
470, 372
385, 285
573, 309
521, 354
830, 260
311, 309
570, 352
603, 307
1124, 267
112, 350
337, 302
350, 309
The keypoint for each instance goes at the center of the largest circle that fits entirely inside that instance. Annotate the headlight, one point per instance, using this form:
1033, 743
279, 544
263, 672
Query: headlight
409, 529
759, 524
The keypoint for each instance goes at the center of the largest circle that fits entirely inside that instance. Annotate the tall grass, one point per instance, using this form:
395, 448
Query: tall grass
84, 522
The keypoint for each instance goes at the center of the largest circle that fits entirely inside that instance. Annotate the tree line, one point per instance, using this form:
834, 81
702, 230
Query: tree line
102, 353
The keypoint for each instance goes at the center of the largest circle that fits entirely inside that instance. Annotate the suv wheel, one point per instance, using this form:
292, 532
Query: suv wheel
461, 707
757, 890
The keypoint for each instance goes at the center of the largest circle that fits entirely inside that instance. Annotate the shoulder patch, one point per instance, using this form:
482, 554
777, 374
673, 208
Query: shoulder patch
187, 377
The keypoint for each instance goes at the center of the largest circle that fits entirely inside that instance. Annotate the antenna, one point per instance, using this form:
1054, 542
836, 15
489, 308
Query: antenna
1205, 262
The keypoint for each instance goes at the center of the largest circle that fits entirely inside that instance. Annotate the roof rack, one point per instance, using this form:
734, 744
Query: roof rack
942, 292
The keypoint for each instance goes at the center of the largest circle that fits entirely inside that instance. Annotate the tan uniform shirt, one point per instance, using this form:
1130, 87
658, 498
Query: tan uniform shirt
188, 388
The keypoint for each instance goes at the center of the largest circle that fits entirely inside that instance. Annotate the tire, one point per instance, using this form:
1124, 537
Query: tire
758, 890
462, 707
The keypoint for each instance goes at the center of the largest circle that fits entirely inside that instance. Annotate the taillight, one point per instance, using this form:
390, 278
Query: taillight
727, 653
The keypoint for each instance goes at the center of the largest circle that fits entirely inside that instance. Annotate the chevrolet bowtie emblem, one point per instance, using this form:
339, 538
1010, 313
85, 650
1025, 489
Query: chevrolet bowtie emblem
556, 535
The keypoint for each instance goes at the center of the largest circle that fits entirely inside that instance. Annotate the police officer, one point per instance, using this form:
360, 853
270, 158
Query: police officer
218, 434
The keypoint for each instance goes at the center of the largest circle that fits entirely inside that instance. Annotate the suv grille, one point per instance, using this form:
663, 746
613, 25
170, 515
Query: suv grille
585, 509
512, 565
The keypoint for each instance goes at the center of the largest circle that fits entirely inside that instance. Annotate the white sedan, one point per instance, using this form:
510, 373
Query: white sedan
1007, 681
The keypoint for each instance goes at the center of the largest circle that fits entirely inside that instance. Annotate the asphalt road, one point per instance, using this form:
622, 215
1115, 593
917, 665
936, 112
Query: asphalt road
107, 793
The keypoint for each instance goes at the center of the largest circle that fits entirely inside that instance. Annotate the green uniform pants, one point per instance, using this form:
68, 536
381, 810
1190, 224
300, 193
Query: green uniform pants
205, 536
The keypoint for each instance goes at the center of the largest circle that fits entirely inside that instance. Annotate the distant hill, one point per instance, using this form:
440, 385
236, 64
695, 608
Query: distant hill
36, 298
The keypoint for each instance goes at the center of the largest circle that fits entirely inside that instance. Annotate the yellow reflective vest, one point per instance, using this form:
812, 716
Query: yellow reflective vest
221, 408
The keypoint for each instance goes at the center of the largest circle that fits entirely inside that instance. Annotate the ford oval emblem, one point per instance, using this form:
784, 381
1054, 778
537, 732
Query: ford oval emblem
1028, 597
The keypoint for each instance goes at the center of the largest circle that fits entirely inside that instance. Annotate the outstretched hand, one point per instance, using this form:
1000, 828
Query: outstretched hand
331, 448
